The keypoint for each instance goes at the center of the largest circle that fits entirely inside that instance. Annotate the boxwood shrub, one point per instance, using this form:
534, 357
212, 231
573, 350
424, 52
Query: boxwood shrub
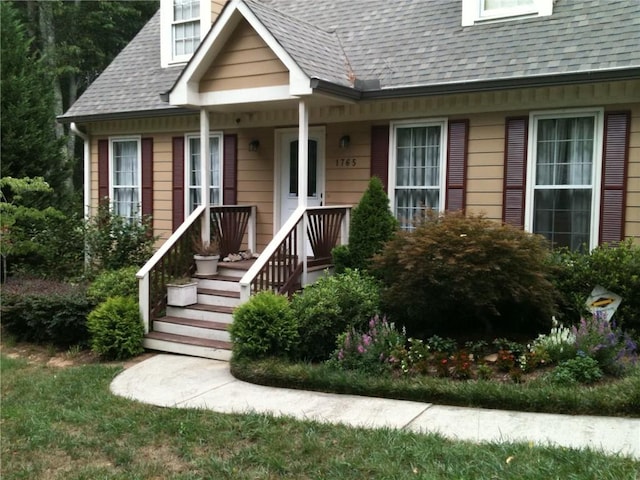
116, 328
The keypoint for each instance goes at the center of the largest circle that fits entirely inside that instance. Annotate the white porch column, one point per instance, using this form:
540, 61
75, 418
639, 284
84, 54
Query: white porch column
303, 152
205, 173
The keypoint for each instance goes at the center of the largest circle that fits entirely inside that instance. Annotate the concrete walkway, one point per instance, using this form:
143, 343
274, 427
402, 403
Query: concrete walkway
188, 382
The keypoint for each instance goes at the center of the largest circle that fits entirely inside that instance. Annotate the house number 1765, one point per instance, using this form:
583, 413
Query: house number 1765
346, 162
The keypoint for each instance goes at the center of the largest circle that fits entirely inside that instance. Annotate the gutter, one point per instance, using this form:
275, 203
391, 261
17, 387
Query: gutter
87, 167
366, 90
165, 112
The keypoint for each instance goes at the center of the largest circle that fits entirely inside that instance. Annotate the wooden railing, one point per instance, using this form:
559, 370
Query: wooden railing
282, 266
174, 259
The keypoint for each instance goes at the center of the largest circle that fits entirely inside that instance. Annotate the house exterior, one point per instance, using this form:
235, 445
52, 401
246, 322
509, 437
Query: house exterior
525, 110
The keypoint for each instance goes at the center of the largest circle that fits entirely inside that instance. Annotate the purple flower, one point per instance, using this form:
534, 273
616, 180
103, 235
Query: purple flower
361, 349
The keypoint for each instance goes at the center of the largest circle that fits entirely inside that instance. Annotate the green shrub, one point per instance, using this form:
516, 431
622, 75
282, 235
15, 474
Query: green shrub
455, 273
331, 306
114, 283
43, 243
114, 242
614, 267
45, 311
264, 327
372, 225
581, 369
116, 328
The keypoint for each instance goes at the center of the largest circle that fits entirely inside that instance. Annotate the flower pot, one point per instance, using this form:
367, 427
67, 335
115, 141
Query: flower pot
206, 264
181, 295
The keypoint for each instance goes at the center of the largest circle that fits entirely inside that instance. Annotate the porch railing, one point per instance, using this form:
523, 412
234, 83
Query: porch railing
284, 263
229, 225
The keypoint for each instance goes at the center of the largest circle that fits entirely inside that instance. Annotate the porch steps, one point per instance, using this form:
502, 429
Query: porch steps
202, 329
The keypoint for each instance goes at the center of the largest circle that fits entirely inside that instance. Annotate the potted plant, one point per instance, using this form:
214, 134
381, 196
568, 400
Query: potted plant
207, 255
182, 292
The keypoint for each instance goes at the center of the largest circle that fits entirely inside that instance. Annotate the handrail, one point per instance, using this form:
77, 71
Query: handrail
286, 257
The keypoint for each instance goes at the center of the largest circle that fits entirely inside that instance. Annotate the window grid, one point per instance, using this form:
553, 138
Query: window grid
125, 178
193, 174
186, 26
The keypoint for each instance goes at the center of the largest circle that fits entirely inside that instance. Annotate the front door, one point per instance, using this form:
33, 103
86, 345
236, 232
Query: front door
289, 172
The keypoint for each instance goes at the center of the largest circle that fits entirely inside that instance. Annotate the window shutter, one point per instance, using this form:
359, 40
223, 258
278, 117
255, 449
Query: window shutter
178, 181
103, 169
515, 168
230, 170
458, 137
147, 176
614, 175
380, 154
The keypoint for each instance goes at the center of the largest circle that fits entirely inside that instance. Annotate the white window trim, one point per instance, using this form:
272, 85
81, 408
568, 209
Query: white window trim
166, 31
596, 174
472, 12
187, 165
441, 122
138, 140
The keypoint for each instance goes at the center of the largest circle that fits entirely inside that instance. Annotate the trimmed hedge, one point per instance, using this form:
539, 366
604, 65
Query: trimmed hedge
116, 329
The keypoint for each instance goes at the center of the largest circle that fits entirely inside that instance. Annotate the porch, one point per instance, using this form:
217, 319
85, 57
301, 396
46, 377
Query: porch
296, 256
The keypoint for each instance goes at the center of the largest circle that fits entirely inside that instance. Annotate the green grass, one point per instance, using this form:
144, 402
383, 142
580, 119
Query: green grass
64, 424
617, 397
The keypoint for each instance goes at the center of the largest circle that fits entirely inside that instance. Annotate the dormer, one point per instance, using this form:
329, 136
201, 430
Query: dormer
480, 11
183, 24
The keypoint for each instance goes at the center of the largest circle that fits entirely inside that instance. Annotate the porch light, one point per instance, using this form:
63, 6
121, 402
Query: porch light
345, 141
254, 145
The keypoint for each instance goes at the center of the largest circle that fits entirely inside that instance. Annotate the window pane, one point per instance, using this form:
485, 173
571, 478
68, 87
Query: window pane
186, 37
501, 4
312, 170
124, 164
418, 164
186, 9
563, 216
194, 172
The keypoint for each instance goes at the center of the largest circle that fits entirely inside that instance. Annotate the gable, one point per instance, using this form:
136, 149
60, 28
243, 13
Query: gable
245, 61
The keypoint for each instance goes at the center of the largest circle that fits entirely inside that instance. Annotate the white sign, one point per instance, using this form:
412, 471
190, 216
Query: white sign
603, 302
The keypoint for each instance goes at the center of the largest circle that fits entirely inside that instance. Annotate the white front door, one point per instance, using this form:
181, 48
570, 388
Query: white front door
289, 171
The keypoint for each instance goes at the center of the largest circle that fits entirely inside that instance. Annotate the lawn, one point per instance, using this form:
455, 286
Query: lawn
62, 423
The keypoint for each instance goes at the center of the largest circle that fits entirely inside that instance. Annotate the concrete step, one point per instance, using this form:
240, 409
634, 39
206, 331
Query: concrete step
201, 311
185, 345
192, 328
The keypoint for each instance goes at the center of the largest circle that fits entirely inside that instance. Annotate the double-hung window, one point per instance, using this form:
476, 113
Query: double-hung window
564, 177
185, 28
417, 170
474, 11
125, 177
194, 190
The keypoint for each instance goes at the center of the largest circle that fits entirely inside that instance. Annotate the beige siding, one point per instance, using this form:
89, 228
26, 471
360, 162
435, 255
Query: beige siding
216, 8
632, 213
244, 62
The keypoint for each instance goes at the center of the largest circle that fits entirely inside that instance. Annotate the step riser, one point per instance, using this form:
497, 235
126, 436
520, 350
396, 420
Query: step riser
230, 272
219, 285
183, 349
199, 315
190, 331
218, 300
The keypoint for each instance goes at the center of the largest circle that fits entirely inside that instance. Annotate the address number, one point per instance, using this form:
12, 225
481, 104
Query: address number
346, 162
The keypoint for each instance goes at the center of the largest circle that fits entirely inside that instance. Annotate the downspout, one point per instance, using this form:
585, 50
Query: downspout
87, 167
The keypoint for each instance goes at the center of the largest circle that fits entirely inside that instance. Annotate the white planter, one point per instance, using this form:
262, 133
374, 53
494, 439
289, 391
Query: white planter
182, 295
206, 264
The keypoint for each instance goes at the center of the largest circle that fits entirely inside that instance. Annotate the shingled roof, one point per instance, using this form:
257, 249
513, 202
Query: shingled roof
400, 46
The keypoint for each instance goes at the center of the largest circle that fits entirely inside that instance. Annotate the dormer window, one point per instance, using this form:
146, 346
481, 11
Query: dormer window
477, 11
185, 28
183, 24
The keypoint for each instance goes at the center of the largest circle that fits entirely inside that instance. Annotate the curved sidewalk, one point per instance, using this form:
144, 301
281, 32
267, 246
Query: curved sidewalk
189, 382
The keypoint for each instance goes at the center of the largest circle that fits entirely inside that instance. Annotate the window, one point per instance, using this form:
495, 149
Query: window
186, 27
474, 11
417, 169
125, 174
564, 175
193, 171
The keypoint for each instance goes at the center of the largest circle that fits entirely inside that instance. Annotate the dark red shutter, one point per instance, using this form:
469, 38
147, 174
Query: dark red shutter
103, 169
614, 176
230, 170
515, 168
177, 167
380, 154
458, 138
147, 176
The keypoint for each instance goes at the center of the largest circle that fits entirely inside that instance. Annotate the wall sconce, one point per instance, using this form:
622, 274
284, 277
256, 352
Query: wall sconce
254, 145
345, 141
